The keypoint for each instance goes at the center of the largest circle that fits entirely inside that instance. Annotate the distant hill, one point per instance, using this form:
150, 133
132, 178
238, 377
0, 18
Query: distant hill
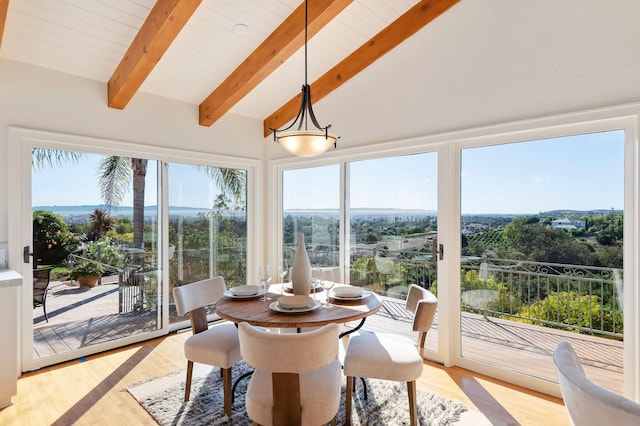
596, 212
361, 212
79, 212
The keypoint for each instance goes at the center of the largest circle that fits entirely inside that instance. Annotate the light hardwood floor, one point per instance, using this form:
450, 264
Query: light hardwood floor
92, 392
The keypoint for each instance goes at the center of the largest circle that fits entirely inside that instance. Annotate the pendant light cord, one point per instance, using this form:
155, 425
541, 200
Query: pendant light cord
306, 24
306, 20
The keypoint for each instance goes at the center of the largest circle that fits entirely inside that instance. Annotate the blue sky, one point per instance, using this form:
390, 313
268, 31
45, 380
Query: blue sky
78, 184
407, 182
579, 172
582, 172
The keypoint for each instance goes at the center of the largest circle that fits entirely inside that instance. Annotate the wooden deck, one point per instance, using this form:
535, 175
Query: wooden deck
81, 317
514, 346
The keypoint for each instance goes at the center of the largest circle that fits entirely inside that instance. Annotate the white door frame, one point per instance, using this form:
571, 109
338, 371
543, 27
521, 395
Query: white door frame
631, 225
21, 141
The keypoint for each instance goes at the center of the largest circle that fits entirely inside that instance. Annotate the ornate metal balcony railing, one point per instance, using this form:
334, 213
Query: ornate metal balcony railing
577, 298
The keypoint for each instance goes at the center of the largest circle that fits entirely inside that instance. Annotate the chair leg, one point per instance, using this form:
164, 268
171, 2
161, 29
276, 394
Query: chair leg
187, 384
423, 339
413, 406
226, 386
364, 387
44, 309
347, 403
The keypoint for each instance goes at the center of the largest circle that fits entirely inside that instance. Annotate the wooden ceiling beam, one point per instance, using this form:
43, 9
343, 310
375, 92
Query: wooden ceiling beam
164, 23
273, 52
398, 31
4, 6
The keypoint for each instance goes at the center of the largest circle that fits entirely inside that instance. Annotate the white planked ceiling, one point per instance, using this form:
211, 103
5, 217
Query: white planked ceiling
88, 38
482, 62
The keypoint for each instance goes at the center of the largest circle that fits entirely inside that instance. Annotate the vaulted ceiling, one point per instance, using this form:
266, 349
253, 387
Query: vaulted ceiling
380, 70
191, 50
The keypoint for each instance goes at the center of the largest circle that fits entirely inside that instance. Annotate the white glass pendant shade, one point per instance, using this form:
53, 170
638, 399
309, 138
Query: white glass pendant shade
306, 143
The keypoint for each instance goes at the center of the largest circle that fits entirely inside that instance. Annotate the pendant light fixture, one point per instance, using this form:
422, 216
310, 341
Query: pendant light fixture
305, 142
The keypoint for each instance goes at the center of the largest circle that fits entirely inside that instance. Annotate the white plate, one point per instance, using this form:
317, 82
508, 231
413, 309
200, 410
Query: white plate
365, 294
244, 296
295, 302
245, 290
276, 307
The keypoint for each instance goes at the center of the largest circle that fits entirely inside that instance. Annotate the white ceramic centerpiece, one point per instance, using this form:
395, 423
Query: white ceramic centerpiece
301, 271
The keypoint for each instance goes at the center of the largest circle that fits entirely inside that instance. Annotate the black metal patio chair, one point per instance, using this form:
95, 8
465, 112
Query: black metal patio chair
41, 279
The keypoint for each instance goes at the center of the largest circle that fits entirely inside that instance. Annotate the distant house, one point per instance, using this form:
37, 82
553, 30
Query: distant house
568, 223
473, 228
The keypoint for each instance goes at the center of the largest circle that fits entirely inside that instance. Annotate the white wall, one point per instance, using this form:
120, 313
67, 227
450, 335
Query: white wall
36, 98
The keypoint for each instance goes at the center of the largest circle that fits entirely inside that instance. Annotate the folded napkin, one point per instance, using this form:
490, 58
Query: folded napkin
244, 290
347, 291
295, 302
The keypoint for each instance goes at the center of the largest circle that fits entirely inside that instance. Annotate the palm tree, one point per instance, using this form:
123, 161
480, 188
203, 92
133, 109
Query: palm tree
101, 223
115, 176
43, 156
116, 173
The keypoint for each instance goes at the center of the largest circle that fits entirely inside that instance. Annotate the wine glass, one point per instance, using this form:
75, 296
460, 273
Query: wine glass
264, 276
327, 283
283, 271
315, 282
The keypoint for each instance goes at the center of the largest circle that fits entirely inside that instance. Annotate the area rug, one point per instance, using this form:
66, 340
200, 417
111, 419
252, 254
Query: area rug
387, 402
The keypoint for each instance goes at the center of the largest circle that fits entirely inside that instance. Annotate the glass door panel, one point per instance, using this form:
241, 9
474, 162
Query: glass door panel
542, 248
392, 206
207, 226
93, 215
311, 205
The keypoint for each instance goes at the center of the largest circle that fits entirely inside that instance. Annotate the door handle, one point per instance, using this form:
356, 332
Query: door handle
437, 251
25, 254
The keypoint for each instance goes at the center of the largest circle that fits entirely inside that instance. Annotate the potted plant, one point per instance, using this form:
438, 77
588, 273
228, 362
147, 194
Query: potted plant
87, 273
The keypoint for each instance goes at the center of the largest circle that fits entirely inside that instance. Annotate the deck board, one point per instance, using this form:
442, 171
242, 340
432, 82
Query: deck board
518, 346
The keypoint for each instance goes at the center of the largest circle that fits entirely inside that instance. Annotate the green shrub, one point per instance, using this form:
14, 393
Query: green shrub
52, 239
110, 252
86, 268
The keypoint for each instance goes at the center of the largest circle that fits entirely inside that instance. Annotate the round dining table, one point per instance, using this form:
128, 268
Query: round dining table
257, 312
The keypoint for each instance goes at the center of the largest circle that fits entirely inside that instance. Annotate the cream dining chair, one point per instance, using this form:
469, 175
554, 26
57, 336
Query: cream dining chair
217, 345
586, 402
389, 356
297, 377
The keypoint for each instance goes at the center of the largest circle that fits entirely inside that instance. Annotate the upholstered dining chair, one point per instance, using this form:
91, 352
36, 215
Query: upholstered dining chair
297, 376
587, 402
217, 345
392, 357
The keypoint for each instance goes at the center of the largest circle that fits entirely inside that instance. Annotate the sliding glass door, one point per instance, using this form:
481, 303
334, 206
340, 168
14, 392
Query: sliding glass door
389, 226
139, 224
392, 206
207, 226
96, 271
542, 254
540, 245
